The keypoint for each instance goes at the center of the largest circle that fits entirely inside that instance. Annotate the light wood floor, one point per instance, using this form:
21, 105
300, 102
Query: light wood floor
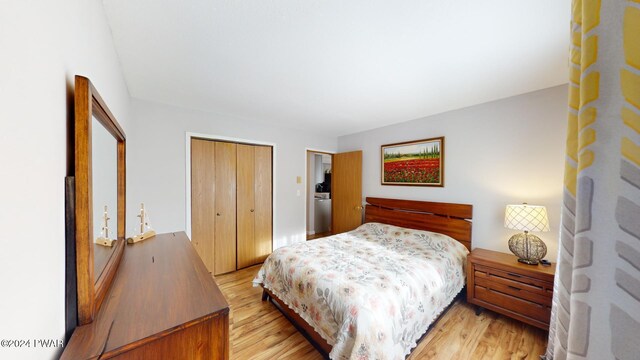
259, 331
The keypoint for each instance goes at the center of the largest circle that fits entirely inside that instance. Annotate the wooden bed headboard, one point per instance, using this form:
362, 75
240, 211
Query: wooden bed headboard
445, 218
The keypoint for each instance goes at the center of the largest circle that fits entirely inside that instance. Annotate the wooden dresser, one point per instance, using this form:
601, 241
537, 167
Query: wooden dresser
163, 304
498, 282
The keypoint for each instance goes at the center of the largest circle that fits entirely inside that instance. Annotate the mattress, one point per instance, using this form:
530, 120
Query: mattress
371, 293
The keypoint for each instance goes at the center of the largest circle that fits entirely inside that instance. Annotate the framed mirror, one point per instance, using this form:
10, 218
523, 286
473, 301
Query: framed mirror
100, 181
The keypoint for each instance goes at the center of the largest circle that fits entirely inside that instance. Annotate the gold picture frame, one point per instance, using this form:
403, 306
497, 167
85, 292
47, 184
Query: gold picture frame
413, 163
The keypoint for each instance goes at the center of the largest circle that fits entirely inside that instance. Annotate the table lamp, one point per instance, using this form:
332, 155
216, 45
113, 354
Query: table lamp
527, 247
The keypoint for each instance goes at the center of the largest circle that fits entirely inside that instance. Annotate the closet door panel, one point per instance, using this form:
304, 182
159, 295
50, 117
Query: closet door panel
202, 200
225, 206
246, 208
263, 203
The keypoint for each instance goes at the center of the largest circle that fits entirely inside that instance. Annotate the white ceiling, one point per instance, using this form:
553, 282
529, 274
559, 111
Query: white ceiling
338, 66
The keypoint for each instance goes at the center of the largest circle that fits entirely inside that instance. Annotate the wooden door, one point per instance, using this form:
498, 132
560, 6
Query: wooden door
246, 205
203, 199
225, 207
263, 203
346, 188
254, 204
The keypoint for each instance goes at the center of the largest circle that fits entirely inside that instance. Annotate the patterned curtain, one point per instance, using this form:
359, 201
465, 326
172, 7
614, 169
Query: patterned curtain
596, 308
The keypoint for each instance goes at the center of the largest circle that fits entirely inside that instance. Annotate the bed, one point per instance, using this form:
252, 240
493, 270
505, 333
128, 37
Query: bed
373, 292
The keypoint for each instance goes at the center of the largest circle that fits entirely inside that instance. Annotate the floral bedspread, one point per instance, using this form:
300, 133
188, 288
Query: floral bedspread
371, 292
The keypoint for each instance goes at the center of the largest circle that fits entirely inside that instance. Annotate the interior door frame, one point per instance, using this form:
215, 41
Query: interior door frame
193, 135
306, 183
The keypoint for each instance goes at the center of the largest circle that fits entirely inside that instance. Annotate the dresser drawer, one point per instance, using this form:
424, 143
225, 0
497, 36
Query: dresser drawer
518, 305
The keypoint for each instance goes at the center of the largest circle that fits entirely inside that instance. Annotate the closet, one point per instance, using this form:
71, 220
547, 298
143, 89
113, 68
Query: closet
231, 203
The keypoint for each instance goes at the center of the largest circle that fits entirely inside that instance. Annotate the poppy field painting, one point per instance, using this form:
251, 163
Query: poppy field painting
418, 162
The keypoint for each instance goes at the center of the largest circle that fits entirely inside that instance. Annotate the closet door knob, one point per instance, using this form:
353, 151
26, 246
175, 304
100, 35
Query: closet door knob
217, 214
251, 210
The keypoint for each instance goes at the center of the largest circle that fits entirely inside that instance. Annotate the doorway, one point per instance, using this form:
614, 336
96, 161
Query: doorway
319, 207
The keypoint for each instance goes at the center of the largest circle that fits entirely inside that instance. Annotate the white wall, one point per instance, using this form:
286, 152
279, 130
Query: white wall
498, 153
157, 164
44, 44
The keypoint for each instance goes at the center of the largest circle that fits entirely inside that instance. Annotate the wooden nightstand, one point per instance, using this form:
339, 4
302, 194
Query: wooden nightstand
498, 282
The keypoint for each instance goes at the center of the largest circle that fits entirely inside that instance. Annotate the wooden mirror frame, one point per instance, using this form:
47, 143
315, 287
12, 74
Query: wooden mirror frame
92, 290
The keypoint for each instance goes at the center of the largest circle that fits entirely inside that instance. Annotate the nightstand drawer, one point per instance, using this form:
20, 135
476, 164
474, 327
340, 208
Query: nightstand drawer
513, 279
514, 288
527, 308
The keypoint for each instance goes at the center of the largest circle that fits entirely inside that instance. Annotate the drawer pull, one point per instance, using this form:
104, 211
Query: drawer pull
514, 275
513, 287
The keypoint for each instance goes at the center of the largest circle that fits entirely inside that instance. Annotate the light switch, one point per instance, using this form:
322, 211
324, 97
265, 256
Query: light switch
299, 180
297, 192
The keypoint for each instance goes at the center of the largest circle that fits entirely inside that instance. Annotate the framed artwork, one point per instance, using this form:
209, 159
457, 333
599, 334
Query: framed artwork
417, 163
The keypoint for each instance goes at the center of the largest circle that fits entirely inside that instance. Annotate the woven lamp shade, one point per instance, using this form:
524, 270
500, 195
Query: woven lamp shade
526, 218
527, 247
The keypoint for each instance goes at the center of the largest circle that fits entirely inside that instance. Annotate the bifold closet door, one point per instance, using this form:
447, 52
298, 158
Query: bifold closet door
264, 203
254, 204
225, 207
213, 204
246, 204
203, 175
